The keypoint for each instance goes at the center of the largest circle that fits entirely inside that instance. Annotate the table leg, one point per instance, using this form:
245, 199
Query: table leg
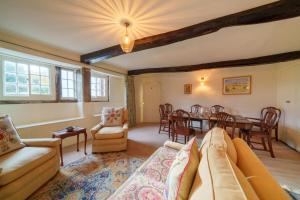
276, 132
169, 126
85, 138
77, 142
61, 155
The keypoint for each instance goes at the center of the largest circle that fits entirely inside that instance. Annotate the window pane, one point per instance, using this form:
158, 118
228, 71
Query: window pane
10, 78
34, 69
71, 92
23, 89
70, 84
44, 80
64, 84
10, 89
64, 74
93, 86
64, 93
10, 66
70, 75
103, 87
35, 80
35, 89
93, 80
44, 71
22, 79
44, 90
93, 93
22, 68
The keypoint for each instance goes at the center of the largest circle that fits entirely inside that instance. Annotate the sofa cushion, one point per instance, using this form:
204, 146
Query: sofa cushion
15, 164
182, 172
265, 186
112, 116
216, 178
219, 138
9, 137
148, 182
110, 133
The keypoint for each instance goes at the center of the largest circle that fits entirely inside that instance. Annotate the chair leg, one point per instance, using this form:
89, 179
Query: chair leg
159, 128
264, 144
184, 139
276, 132
270, 147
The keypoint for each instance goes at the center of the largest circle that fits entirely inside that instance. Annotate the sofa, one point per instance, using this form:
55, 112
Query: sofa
110, 138
228, 169
26, 169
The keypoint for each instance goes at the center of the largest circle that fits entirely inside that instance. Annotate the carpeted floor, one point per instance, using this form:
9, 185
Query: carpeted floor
92, 177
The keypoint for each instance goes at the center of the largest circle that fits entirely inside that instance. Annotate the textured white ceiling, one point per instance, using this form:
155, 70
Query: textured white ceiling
83, 26
87, 25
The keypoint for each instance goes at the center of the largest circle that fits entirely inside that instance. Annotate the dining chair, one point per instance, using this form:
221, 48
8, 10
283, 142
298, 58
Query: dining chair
168, 108
262, 131
196, 110
181, 125
163, 122
216, 109
223, 120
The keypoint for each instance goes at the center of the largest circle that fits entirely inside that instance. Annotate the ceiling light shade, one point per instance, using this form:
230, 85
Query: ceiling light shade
127, 42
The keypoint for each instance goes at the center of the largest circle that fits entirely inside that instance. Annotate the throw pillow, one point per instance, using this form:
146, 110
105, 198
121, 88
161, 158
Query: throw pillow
182, 172
9, 138
112, 116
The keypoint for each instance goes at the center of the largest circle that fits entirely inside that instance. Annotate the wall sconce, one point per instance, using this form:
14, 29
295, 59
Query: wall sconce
202, 81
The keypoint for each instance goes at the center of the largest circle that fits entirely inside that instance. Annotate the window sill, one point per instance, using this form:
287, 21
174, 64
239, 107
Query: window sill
48, 123
35, 101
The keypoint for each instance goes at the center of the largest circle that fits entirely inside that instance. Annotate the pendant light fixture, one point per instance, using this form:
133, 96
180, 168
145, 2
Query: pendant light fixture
127, 41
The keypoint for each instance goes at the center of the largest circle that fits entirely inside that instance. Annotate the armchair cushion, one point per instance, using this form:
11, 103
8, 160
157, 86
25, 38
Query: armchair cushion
17, 163
110, 133
112, 116
9, 137
41, 142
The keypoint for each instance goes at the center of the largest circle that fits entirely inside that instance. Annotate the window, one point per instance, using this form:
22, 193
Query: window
99, 87
68, 84
25, 79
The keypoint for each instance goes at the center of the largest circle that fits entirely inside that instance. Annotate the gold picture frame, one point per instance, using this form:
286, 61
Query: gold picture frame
239, 85
187, 88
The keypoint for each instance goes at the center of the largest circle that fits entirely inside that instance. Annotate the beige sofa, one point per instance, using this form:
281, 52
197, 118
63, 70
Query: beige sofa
25, 170
109, 139
228, 169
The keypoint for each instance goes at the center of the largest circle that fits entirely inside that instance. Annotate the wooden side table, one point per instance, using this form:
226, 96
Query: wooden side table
62, 134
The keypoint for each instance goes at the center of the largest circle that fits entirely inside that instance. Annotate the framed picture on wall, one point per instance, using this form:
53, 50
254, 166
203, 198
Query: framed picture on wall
187, 88
237, 85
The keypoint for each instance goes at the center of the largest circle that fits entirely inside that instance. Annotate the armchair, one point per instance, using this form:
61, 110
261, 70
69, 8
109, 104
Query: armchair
110, 138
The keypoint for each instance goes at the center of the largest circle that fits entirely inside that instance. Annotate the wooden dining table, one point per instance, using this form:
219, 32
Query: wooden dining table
241, 122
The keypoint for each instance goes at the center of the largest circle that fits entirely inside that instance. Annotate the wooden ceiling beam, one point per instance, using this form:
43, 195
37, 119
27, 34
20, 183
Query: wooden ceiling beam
280, 10
282, 57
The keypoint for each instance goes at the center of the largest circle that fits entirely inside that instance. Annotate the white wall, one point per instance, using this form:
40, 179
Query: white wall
268, 85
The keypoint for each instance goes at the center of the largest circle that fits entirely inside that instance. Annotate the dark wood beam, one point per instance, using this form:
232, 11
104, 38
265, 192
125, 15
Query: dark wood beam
280, 10
223, 64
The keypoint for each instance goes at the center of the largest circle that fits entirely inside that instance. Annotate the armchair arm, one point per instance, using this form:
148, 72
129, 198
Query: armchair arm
173, 145
125, 128
95, 129
41, 142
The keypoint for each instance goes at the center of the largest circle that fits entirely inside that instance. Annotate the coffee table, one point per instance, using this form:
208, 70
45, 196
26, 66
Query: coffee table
62, 134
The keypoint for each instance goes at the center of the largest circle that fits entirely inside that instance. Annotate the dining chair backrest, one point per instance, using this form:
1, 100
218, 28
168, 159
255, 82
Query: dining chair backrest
270, 119
195, 108
223, 120
168, 108
182, 119
216, 109
265, 110
162, 111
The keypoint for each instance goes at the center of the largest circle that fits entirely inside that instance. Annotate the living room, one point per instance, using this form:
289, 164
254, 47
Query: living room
149, 100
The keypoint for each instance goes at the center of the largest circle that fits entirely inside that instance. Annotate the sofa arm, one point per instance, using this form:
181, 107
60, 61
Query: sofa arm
95, 129
41, 142
173, 145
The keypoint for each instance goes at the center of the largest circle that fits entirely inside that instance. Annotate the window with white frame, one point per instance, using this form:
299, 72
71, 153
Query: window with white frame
99, 86
21, 78
68, 84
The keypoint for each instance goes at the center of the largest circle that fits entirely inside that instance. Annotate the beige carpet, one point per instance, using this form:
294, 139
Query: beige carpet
144, 140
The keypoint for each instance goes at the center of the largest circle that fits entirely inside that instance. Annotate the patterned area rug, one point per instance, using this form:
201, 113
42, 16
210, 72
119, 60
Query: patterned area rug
96, 176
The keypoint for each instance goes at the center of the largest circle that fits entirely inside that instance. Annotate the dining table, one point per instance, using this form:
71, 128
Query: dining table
240, 121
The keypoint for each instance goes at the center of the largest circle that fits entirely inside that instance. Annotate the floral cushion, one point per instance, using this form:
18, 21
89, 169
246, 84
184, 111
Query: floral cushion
112, 116
148, 181
182, 172
9, 138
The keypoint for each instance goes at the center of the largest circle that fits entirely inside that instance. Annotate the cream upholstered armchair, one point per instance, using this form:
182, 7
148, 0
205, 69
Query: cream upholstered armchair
108, 138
